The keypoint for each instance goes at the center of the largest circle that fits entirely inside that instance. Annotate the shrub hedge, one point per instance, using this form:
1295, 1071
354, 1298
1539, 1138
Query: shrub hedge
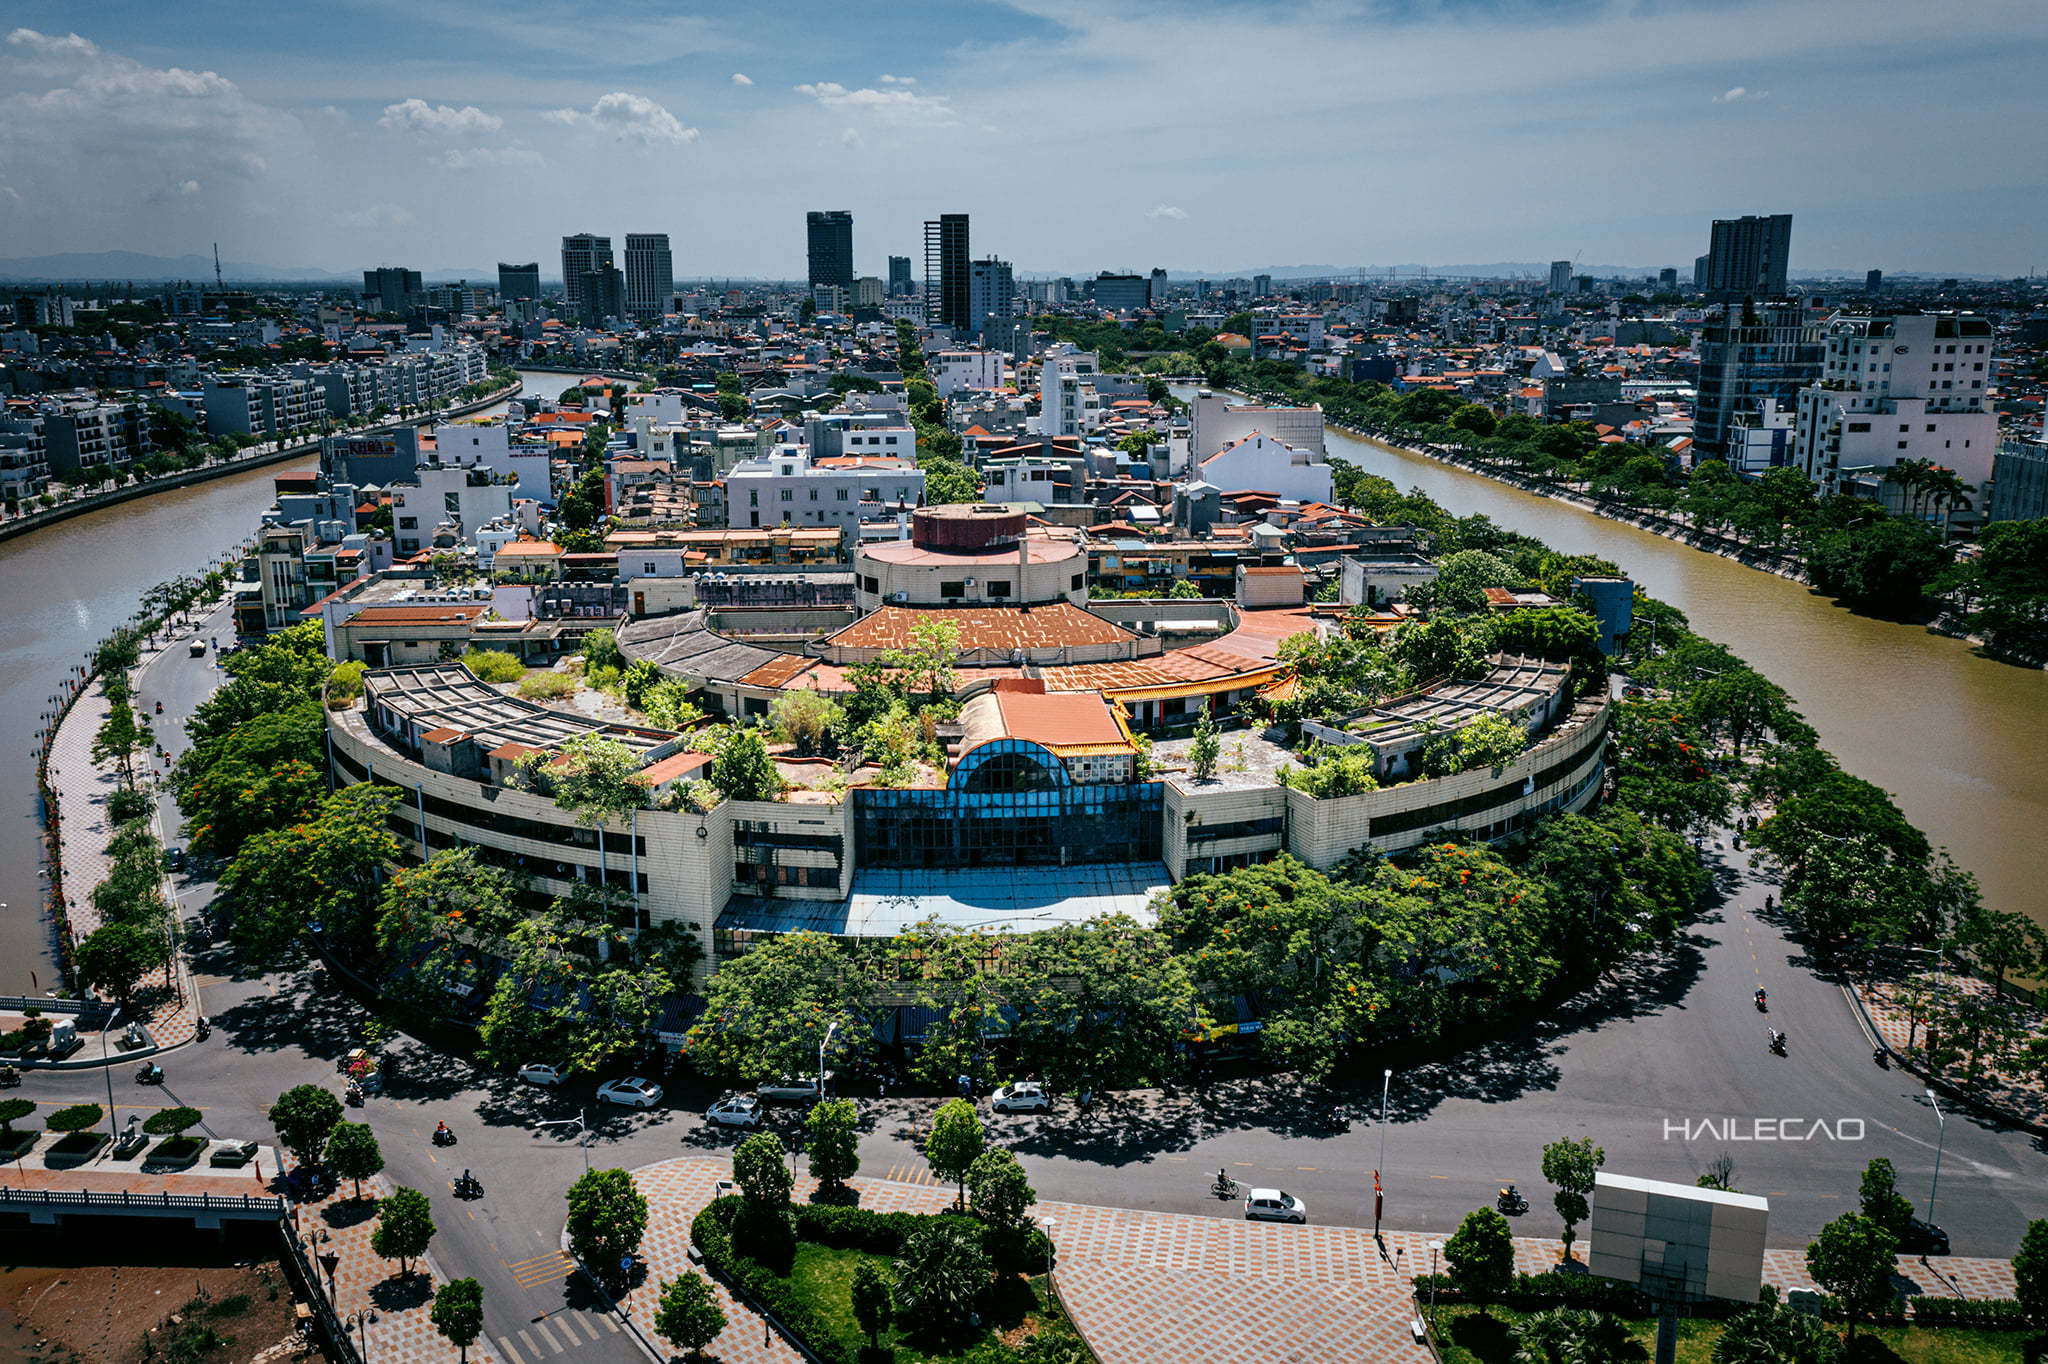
1995, 1312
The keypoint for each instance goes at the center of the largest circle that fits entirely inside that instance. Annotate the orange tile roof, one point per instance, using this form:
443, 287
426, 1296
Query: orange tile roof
1056, 719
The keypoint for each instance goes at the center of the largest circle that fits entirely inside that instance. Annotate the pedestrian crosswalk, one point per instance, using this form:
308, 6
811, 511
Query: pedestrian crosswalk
556, 1333
542, 1269
915, 1174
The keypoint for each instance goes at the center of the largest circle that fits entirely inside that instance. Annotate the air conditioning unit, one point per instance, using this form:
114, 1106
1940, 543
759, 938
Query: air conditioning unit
970, 582
899, 596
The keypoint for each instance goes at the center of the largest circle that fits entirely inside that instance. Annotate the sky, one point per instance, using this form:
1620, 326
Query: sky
1207, 136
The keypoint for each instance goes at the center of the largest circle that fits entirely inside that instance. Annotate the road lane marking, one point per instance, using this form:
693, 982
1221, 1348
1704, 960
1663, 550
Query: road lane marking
529, 1344
510, 1353
609, 1324
1300, 1169
549, 1337
1439, 1176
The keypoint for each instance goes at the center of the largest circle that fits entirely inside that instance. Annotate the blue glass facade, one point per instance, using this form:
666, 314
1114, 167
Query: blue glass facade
1009, 803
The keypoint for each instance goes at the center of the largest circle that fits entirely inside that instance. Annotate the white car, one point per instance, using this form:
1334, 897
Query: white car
631, 1092
1026, 1096
1274, 1205
540, 1073
735, 1110
800, 1089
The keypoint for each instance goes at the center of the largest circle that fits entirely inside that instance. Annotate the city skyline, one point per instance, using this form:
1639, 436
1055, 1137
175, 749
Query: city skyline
365, 136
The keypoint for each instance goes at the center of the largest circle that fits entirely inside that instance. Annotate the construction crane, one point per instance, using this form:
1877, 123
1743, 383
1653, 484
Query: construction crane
216, 269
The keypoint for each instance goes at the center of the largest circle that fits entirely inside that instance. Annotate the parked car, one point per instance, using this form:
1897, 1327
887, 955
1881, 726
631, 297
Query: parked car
1274, 1205
1025, 1096
541, 1073
789, 1090
1922, 1238
735, 1110
174, 859
631, 1092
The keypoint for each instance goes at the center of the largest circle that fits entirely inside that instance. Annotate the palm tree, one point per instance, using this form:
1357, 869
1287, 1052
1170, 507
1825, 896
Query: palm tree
1573, 1335
1946, 489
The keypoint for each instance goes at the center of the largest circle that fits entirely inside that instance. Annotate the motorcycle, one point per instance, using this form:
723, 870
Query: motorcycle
205, 1030
468, 1185
443, 1137
9, 1077
1882, 1057
1761, 1006
149, 1074
1225, 1187
353, 1096
1777, 1042
1511, 1203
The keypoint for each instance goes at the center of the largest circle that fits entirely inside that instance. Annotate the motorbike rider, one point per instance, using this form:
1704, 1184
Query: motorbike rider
441, 1132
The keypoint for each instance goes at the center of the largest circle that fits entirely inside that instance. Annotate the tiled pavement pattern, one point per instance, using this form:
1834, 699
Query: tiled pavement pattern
365, 1281
2017, 1095
82, 788
1157, 1287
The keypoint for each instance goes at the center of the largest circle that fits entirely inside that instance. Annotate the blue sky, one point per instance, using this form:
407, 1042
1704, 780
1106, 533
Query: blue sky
1087, 135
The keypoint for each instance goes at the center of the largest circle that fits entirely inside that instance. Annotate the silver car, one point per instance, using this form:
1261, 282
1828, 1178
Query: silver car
1274, 1205
735, 1110
1026, 1096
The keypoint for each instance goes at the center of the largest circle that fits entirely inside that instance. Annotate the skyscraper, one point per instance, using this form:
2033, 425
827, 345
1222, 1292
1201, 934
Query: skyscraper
600, 295
830, 234
1156, 295
1873, 282
1768, 351
582, 254
518, 281
945, 271
392, 289
991, 295
650, 274
899, 276
1560, 277
1667, 279
1746, 257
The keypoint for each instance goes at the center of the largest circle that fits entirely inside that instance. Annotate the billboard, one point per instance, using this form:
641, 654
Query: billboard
1676, 1242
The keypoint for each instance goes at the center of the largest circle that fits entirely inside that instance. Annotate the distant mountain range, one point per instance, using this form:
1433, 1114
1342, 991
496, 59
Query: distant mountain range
122, 266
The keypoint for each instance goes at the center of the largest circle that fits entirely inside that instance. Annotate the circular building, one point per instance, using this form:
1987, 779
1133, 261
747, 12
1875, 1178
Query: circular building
970, 555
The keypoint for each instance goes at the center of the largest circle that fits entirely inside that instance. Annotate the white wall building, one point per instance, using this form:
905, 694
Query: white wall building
1259, 463
1214, 423
1068, 404
790, 487
1894, 389
488, 445
469, 498
957, 369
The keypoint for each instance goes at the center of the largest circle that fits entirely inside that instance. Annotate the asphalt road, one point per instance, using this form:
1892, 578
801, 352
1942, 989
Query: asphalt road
1665, 1067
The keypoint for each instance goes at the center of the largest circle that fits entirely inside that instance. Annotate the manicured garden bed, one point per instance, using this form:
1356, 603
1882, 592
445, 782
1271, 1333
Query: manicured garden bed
814, 1299
177, 1151
1466, 1336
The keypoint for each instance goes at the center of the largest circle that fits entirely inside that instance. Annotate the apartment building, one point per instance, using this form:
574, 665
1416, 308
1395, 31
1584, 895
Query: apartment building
448, 499
94, 435
1214, 422
24, 460
263, 405
790, 486
1894, 389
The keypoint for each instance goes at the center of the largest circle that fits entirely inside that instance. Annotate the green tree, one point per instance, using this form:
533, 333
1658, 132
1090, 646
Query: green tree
1481, 1256
2004, 589
743, 770
74, 1119
601, 650
832, 1143
954, 1143
874, 1302
305, 1116
766, 1013
1001, 1193
1571, 1164
2030, 1272
689, 1316
2002, 942
761, 1172
116, 956
327, 869
940, 1276
493, 665
1103, 1003
1853, 1258
1443, 647
607, 1218
1205, 748
11, 1112
927, 661
405, 1226
458, 1314
1773, 1333
353, 1153
1461, 582
1880, 1198
1574, 1335
120, 735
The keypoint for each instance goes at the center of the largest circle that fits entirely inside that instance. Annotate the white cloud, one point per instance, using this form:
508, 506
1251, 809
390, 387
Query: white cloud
898, 106
1741, 95
849, 137
373, 216
899, 80
1172, 211
628, 117
183, 189
417, 116
742, 78
479, 158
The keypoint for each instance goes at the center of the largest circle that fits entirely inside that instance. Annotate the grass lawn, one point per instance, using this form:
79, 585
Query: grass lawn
1467, 1337
825, 1278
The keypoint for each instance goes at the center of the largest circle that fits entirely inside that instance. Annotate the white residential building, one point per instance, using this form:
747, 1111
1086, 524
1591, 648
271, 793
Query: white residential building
1068, 403
1214, 423
790, 486
1259, 463
1894, 389
487, 444
952, 370
468, 498
263, 405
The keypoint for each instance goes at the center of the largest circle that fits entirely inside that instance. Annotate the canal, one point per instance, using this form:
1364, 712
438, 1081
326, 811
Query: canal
65, 587
1960, 741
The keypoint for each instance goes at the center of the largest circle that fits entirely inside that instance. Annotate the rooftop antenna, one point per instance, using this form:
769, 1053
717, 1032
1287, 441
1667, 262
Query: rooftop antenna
216, 269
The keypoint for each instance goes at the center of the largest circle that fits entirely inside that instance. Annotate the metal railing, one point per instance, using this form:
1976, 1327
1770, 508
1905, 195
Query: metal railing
87, 1198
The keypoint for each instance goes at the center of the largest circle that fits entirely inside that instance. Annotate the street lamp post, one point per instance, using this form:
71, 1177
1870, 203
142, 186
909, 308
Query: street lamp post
1940, 1141
1046, 1224
108, 1067
1386, 1082
1434, 1247
582, 1126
